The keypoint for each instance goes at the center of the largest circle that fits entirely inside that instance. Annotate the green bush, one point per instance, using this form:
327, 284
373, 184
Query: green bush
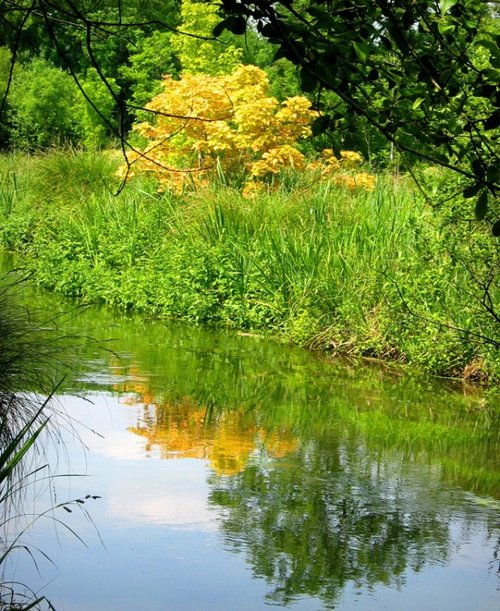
43, 107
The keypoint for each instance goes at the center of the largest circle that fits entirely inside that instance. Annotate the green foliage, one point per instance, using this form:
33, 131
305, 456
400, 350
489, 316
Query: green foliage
148, 62
42, 105
5, 77
425, 77
116, 32
197, 51
372, 274
55, 31
96, 113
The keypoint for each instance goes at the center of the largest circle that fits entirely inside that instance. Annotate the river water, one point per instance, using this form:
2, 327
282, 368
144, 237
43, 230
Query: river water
235, 473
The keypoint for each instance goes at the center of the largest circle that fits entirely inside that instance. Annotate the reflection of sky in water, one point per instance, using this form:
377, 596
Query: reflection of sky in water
177, 500
163, 550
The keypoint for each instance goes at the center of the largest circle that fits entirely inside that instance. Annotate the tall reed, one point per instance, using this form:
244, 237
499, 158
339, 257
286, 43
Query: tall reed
33, 357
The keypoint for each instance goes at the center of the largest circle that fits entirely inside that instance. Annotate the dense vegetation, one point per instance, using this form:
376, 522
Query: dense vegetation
361, 272
246, 200
422, 73
244, 196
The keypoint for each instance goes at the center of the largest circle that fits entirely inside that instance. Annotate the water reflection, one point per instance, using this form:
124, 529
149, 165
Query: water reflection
178, 505
324, 506
327, 479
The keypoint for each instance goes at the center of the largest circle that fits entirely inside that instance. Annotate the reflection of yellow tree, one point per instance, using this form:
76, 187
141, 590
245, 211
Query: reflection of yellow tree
182, 429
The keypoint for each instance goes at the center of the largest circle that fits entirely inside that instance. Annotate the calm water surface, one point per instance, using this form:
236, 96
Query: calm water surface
235, 473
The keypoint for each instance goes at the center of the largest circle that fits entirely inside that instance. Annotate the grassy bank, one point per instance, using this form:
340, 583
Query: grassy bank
367, 273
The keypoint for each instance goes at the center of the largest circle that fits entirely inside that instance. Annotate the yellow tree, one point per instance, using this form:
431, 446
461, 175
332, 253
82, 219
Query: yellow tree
205, 123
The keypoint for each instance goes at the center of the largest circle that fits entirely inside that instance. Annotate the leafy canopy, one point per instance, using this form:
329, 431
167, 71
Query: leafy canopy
425, 74
195, 46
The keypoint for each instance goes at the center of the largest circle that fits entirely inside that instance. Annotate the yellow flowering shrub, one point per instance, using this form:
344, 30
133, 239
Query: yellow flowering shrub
343, 171
205, 123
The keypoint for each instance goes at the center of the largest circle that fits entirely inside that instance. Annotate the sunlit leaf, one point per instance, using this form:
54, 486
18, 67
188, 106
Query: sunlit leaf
446, 5
362, 51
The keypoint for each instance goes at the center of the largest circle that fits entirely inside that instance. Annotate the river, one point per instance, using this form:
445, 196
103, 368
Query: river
234, 473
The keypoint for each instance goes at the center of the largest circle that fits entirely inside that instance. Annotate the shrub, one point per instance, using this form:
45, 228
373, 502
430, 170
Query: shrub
43, 107
207, 124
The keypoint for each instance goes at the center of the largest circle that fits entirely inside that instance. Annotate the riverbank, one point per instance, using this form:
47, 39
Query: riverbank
376, 274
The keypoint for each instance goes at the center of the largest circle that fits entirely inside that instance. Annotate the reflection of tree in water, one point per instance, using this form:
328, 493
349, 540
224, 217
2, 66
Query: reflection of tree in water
227, 439
330, 516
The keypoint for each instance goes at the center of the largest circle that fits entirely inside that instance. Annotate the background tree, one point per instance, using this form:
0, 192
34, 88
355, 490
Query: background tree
43, 107
197, 50
99, 38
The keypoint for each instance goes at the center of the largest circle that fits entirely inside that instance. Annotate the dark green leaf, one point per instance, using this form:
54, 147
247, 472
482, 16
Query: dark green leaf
481, 206
493, 121
495, 230
493, 174
471, 190
320, 125
478, 167
238, 26
308, 82
220, 27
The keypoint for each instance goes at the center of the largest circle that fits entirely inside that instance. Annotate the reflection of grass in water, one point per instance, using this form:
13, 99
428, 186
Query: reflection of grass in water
465, 454
460, 443
283, 389
280, 388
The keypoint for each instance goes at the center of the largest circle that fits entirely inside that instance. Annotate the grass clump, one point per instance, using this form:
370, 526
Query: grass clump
378, 273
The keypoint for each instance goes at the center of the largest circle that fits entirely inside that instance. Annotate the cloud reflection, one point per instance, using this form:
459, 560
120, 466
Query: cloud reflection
175, 495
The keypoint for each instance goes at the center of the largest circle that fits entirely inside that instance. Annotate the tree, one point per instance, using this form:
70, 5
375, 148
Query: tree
79, 37
197, 50
204, 123
43, 107
424, 73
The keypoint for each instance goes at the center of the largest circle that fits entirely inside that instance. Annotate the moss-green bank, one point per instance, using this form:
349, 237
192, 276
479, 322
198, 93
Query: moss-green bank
377, 274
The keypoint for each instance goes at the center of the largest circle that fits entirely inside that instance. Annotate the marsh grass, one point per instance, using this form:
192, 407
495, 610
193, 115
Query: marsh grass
23, 418
378, 273
33, 357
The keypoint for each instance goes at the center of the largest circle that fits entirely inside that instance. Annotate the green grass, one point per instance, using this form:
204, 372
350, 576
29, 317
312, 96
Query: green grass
376, 274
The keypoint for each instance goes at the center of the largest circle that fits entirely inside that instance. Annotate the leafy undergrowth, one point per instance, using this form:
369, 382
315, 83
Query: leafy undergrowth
378, 273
